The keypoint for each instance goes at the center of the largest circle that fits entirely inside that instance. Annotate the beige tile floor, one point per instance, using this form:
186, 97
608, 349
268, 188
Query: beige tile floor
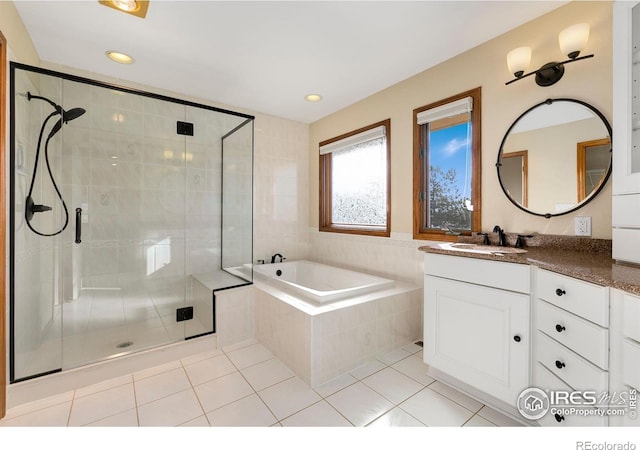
245, 385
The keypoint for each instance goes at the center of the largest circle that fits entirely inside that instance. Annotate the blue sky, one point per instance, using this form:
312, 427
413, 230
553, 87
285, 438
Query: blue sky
448, 150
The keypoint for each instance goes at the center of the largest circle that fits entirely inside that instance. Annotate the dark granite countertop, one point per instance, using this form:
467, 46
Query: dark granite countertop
580, 258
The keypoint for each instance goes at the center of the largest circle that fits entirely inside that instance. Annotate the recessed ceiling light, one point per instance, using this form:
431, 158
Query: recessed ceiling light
118, 57
134, 7
313, 97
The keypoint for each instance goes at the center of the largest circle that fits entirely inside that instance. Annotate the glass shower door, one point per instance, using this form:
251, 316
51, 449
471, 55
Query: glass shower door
124, 256
129, 209
98, 239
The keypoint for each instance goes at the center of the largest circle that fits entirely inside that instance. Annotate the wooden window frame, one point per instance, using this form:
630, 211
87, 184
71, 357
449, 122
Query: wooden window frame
325, 222
420, 231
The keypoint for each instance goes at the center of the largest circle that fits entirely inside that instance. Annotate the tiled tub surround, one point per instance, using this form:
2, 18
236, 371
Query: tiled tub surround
581, 258
320, 343
395, 257
235, 315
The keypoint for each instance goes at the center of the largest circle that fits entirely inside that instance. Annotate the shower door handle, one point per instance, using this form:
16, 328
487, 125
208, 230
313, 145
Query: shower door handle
78, 225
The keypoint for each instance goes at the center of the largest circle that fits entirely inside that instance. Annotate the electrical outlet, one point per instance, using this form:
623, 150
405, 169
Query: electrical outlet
583, 226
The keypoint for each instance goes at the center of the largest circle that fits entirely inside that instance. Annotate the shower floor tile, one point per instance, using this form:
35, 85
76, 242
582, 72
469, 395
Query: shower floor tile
246, 386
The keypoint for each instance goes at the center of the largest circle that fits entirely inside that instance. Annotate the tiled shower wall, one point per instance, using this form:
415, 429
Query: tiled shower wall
281, 187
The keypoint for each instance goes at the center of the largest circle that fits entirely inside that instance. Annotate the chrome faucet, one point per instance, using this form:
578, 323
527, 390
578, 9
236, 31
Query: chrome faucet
273, 258
502, 241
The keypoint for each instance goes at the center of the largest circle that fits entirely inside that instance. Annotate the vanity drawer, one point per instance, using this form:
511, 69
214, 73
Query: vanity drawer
631, 317
547, 381
631, 363
584, 299
574, 370
501, 275
585, 338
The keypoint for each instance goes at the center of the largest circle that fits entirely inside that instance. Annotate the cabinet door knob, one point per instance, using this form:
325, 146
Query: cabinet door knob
558, 417
560, 328
560, 292
517, 338
559, 364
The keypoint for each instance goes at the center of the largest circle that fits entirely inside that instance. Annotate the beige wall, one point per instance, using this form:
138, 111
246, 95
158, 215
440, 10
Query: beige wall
485, 66
18, 40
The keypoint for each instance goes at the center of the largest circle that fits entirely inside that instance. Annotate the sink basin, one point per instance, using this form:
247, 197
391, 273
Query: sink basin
477, 248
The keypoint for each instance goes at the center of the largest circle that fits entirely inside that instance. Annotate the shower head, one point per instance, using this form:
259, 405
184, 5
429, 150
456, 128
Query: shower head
67, 116
72, 114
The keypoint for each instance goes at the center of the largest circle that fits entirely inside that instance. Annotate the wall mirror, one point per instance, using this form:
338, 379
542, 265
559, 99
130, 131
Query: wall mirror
555, 157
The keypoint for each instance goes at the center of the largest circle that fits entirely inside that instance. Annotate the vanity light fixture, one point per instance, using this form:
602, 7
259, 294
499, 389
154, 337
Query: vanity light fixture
136, 8
572, 41
119, 57
313, 98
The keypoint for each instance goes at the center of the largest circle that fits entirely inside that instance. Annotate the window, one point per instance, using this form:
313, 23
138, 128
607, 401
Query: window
446, 167
355, 182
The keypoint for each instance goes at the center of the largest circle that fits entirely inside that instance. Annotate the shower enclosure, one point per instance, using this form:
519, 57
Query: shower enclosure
128, 210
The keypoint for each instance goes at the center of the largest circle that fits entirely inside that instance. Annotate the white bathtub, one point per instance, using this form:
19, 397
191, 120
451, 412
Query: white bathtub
324, 321
319, 282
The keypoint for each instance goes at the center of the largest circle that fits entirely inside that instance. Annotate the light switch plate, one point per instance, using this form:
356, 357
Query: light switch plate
583, 226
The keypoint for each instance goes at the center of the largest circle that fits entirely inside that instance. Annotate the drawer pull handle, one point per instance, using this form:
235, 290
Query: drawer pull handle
560, 292
517, 338
560, 328
559, 364
559, 418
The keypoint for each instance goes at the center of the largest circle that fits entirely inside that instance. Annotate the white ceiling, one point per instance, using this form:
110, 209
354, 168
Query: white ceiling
266, 56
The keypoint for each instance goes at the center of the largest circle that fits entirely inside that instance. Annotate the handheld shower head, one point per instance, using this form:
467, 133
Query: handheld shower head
72, 114
67, 116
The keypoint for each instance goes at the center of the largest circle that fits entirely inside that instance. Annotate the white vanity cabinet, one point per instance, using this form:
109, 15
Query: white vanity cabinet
571, 351
626, 132
476, 322
625, 354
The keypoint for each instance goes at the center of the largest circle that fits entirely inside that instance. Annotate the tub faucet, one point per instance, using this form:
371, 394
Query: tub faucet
502, 242
273, 258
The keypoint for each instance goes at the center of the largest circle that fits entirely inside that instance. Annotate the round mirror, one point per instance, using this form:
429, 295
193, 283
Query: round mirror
555, 157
